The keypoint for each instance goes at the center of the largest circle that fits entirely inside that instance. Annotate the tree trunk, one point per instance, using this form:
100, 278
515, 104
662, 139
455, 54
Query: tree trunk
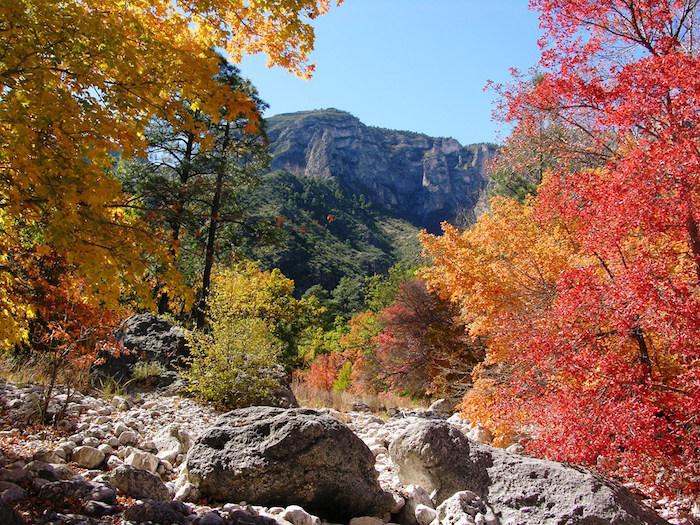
644, 358
200, 312
185, 174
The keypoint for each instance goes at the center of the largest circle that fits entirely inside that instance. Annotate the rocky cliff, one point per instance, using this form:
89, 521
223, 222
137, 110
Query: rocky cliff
422, 179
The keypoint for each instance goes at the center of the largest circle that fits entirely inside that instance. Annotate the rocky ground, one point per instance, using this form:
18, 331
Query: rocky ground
165, 459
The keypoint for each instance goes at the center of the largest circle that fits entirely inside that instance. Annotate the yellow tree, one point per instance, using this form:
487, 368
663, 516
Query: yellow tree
506, 265
244, 291
503, 273
79, 81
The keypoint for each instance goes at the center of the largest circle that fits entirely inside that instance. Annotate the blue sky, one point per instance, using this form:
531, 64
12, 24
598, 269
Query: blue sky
417, 65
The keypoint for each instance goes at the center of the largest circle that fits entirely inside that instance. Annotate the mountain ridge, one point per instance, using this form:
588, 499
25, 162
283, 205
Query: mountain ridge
409, 175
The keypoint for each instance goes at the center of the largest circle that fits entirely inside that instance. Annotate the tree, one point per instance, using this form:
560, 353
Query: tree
629, 70
380, 290
423, 347
624, 72
244, 291
67, 333
545, 139
190, 179
564, 331
502, 273
233, 364
80, 82
593, 333
529, 153
323, 372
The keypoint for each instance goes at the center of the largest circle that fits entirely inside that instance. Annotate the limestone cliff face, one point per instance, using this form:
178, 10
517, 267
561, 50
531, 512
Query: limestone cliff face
422, 179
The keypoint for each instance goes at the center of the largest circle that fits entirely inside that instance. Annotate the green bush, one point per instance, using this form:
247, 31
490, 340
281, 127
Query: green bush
232, 366
342, 382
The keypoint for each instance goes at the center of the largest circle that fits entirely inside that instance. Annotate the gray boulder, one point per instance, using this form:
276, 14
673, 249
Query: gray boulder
518, 489
138, 483
443, 406
146, 337
438, 457
162, 512
88, 457
275, 457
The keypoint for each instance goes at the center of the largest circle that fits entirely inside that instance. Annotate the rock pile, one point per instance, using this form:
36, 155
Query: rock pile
158, 459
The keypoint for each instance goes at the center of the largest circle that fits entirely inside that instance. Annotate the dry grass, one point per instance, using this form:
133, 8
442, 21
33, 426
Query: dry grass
34, 370
20, 372
344, 401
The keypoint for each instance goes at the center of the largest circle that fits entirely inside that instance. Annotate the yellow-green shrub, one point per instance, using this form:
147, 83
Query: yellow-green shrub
244, 291
146, 369
232, 366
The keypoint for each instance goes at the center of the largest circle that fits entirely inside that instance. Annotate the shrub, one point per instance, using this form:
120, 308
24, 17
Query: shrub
233, 365
244, 291
146, 369
342, 382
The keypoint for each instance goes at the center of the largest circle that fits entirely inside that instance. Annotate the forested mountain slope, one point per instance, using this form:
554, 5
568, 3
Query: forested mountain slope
350, 198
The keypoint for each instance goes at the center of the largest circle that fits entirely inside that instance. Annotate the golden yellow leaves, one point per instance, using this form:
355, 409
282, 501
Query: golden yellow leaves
80, 79
507, 262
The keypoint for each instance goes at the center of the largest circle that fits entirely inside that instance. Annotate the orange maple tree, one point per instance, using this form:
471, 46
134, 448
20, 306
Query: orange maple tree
597, 358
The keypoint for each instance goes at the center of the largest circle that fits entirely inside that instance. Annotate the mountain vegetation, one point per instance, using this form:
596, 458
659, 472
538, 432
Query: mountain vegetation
586, 291
326, 233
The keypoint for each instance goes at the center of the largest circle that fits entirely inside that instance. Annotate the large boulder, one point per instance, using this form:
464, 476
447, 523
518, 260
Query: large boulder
276, 457
519, 489
438, 457
147, 338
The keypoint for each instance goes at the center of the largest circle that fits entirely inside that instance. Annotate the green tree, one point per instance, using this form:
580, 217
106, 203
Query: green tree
193, 183
381, 290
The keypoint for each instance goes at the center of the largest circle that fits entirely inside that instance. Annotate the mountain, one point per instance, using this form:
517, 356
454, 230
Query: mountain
329, 233
422, 179
352, 198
